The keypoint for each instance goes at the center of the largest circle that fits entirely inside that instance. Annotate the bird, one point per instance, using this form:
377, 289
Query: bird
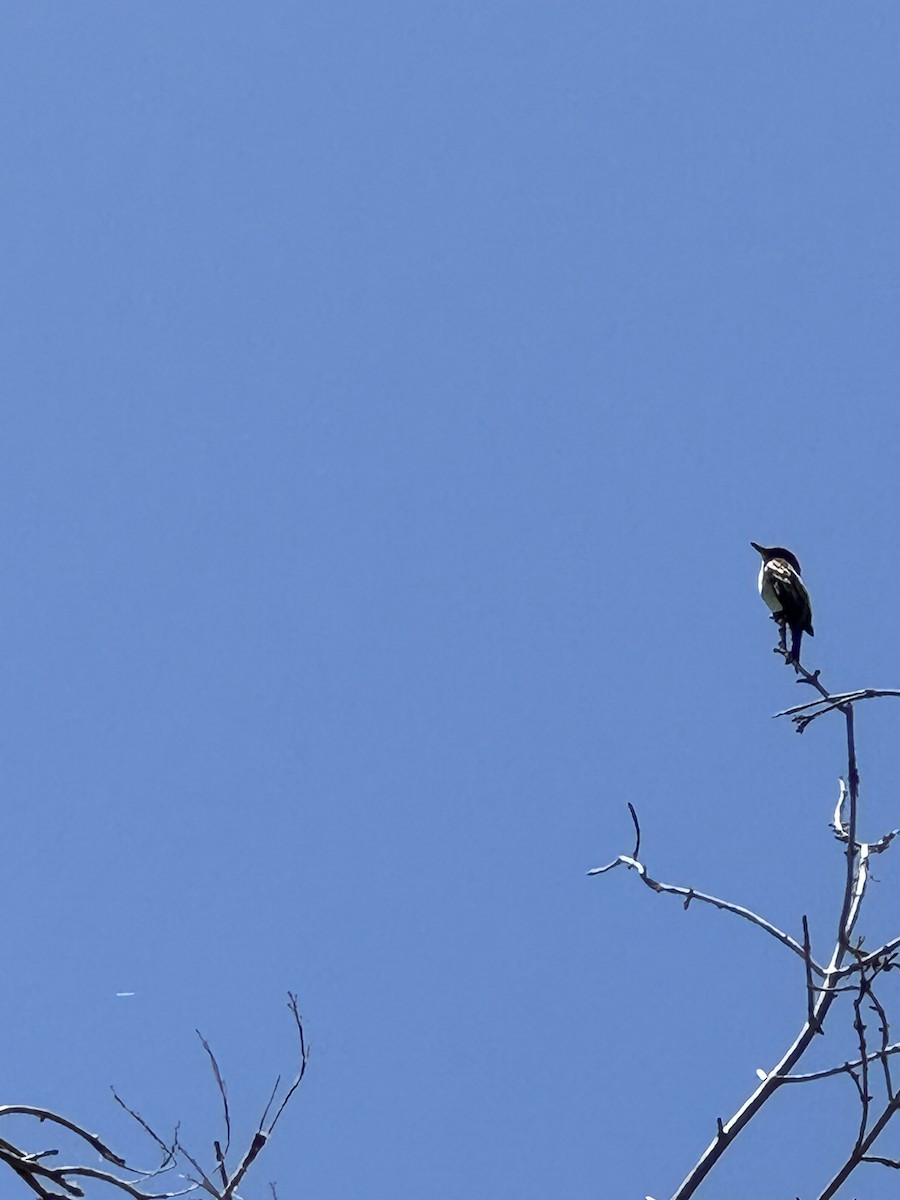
783, 590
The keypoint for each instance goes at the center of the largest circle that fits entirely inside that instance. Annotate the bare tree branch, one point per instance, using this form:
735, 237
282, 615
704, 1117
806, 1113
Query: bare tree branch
842, 1069
835, 701
637, 831
807, 962
229, 1182
859, 1153
691, 894
862, 1080
820, 997
50, 1182
226, 1116
53, 1118
168, 1151
304, 1055
885, 1030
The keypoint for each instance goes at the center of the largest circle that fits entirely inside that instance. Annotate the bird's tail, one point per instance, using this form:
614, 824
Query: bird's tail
796, 639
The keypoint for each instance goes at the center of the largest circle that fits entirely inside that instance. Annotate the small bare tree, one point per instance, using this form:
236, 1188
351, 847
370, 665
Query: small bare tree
220, 1179
848, 970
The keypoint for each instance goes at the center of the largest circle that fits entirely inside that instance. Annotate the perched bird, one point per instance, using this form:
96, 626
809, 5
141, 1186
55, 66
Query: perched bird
783, 590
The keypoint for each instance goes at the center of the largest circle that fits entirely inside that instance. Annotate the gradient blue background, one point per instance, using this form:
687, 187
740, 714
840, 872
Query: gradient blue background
390, 393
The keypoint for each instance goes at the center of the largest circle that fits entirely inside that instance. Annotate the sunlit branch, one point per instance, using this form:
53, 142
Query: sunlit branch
690, 894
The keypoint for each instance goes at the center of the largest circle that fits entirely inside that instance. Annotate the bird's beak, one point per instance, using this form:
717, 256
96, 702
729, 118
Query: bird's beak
757, 547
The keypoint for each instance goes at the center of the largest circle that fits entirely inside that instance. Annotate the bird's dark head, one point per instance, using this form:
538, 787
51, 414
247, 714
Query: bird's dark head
769, 552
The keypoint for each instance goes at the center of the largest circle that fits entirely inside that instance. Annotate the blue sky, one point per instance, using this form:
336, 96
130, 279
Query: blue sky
391, 393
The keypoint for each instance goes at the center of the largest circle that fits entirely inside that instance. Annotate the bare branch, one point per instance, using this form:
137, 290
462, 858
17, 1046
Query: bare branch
853, 893
34, 1173
856, 856
46, 1114
637, 831
844, 1068
859, 1153
271, 1100
873, 958
885, 1031
260, 1138
223, 1095
883, 842
124, 1185
168, 1151
863, 1080
837, 821
230, 1184
812, 678
837, 699
204, 1181
690, 894
807, 962
304, 1056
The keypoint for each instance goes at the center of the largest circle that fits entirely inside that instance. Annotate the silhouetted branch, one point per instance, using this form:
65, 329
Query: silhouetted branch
847, 962
884, 1162
53, 1118
304, 1057
226, 1116
168, 1151
637, 831
860, 1153
691, 894
807, 962
841, 1069
861, 1080
49, 1182
885, 1030
230, 1181
831, 702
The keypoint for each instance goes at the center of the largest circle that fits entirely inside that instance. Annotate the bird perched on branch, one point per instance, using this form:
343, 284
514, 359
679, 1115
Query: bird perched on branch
784, 592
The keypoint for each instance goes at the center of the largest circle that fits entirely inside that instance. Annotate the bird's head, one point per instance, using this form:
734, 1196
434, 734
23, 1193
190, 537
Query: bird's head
769, 552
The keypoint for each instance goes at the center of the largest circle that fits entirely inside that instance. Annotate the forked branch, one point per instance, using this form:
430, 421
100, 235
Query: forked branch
48, 1182
847, 968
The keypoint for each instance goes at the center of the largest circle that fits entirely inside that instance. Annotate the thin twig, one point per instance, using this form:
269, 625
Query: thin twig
274, 1092
168, 1151
46, 1114
223, 1095
885, 1030
884, 1162
873, 958
260, 1138
304, 1058
691, 894
637, 831
836, 699
844, 1068
807, 962
883, 842
859, 1154
220, 1083
863, 1081
204, 1181
124, 1185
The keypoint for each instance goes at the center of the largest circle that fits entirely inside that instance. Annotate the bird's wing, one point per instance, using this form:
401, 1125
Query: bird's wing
791, 593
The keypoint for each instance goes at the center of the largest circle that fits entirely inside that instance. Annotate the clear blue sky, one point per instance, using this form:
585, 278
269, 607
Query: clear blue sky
391, 391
